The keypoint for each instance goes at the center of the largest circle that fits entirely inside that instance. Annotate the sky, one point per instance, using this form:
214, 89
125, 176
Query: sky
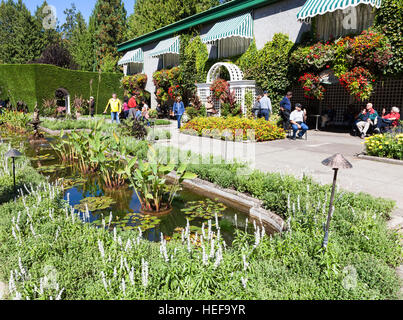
85, 6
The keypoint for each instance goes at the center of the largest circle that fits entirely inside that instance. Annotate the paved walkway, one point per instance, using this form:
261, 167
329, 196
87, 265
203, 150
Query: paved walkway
305, 156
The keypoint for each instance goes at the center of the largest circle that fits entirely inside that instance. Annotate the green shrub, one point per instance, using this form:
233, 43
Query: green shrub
385, 146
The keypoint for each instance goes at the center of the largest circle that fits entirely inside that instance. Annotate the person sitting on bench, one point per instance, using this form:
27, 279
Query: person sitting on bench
297, 120
389, 120
366, 119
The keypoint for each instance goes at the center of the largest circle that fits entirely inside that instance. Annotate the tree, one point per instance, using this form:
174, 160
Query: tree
81, 43
108, 24
82, 47
48, 35
73, 18
57, 54
21, 40
150, 15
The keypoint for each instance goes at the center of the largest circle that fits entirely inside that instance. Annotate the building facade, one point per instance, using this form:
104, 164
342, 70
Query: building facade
228, 30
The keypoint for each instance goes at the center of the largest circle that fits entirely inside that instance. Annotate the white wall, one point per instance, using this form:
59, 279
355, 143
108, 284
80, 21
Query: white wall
276, 18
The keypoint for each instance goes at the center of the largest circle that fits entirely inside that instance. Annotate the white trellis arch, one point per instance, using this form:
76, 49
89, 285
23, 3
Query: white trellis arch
237, 84
235, 73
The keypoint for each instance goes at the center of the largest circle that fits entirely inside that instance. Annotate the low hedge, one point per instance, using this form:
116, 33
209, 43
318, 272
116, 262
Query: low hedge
385, 146
34, 82
234, 128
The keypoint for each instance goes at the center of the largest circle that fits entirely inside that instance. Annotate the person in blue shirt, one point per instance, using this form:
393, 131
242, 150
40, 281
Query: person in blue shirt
179, 110
285, 110
138, 114
265, 106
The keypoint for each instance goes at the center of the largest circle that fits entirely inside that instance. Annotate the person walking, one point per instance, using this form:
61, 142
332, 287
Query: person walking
265, 106
178, 110
91, 104
297, 120
285, 110
116, 108
257, 107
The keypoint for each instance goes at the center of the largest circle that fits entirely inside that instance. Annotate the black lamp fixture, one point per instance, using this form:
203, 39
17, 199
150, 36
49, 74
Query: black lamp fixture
13, 153
336, 162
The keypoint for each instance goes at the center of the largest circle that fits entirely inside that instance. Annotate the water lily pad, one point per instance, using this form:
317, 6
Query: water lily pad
94, 203
43, 157
203, 209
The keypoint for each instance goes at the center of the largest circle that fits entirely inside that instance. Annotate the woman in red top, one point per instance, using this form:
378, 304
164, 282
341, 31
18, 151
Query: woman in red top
132, 102
389, 120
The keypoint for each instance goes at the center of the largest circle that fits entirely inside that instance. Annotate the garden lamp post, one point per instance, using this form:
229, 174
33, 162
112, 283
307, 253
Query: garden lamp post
13, 153
336, 162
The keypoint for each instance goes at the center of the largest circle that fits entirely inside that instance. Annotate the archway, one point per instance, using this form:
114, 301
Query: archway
235, 73
63, 100
237, 84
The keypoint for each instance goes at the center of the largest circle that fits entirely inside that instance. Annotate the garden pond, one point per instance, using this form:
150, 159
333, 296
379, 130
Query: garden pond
121, 208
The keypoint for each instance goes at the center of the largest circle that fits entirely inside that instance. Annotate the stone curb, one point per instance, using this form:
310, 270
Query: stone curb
379, 159
244, 203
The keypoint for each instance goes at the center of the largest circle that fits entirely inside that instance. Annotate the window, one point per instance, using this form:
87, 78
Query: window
233, 46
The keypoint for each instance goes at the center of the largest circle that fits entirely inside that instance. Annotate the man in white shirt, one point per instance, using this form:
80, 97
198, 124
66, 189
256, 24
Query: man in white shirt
265, 106
297, 120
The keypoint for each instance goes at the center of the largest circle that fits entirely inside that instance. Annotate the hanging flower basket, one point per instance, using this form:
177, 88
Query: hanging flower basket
358, 83
312, 87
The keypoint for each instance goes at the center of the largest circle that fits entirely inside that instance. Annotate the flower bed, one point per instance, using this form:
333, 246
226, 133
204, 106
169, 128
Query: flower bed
385, 146
234, 128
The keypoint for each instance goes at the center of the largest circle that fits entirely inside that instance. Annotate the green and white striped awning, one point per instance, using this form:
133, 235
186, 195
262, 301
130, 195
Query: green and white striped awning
171, 45
240, 26
318, 7
135, 56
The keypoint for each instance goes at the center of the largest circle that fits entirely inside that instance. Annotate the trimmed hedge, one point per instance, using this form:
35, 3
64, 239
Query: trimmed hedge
34, 82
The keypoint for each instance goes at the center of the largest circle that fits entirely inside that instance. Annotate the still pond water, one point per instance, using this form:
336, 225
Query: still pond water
123, 205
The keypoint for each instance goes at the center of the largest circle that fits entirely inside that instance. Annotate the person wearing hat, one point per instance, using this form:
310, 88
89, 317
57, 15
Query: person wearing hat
285, 110
297, 120
265, 106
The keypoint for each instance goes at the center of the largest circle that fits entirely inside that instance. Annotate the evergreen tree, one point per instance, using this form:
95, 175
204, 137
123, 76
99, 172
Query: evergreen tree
82, 46
20, 38
108, 24
48, 36
150, 15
